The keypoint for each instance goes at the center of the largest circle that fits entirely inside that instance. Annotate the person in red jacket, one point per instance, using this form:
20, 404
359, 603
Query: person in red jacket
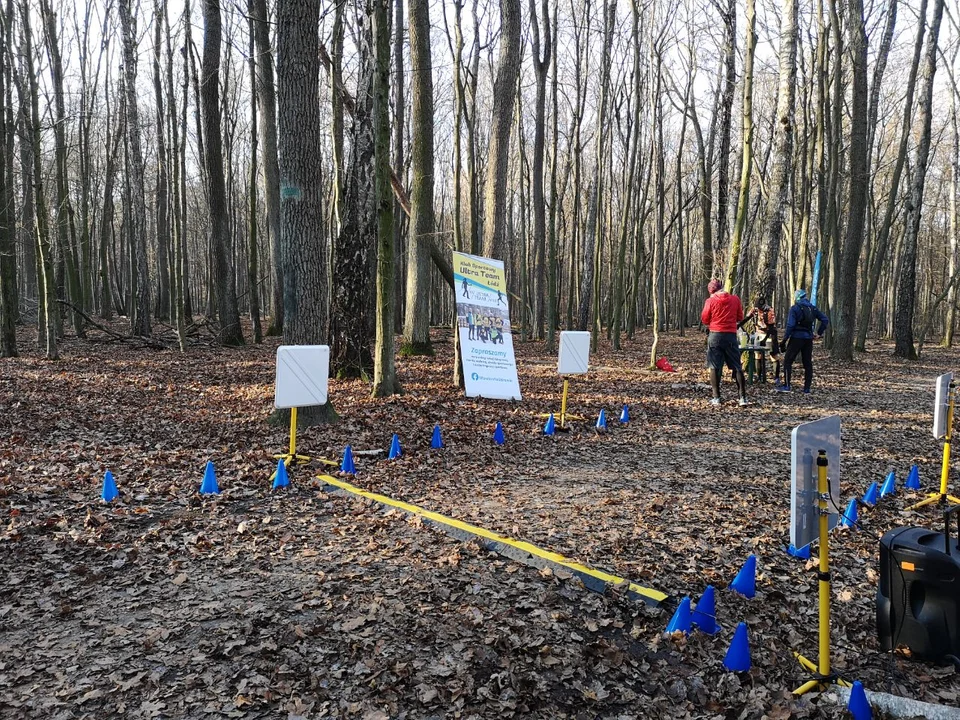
722, 312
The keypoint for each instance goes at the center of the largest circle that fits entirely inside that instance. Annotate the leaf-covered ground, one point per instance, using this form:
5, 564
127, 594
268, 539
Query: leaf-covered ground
300, 603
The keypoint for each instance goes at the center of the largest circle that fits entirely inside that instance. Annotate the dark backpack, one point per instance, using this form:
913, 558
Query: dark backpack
806, 318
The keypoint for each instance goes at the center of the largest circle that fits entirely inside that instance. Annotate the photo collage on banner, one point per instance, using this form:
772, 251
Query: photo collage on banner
483, 319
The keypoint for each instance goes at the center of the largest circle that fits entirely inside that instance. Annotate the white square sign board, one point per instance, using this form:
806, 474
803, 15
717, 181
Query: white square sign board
302, 373
574, 356
940, 406
806, 442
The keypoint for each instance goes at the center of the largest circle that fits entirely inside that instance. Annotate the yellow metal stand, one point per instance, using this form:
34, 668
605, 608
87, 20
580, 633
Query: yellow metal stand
943, 497
821, 671
291, 457
562, 420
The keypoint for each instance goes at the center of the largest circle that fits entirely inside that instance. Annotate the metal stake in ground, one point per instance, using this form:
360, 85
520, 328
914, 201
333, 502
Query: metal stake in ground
821, 671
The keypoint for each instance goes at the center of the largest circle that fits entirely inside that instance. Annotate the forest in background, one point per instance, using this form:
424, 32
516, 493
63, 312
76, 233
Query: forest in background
311, 164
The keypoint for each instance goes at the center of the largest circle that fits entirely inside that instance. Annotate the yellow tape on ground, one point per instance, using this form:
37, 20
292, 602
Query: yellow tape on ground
647, 593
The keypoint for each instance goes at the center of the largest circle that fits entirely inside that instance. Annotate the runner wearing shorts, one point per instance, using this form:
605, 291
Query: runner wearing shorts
722, 312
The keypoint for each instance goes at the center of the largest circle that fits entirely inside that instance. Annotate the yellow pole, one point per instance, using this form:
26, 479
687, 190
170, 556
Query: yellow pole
563, 403
945, 469
293, 434
824, 491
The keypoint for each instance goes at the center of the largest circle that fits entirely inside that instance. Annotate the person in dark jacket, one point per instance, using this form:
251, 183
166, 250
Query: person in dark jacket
804, 325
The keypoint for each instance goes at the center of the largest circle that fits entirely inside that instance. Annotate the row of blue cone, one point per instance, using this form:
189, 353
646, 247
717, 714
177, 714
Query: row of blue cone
874, 493
551, 425
208, 486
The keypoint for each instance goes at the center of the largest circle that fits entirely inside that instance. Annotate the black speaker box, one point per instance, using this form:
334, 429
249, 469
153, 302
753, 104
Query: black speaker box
918, 602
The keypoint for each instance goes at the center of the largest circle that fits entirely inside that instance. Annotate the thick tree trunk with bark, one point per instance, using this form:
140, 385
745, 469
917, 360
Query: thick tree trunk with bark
163, 185
253, 249
8, 265
351, 323
498, 153
779, 188
906, 286
729, 18
302, 204
384, 369
223, 280
139, 276
541, 65
416, 325
267, 97
845, 306
743, 199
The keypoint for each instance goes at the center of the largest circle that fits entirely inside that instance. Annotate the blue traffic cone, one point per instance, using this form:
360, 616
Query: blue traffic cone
498, 437
346, 465
849, 517
602, 420
680, 622
436, 442
704, 617
802, 553
889, 485
109, 492
209, 485
551, 427
858, 706
872, 495
395, 451
913, 479
625, 414
745, 582
738, 655
281, 479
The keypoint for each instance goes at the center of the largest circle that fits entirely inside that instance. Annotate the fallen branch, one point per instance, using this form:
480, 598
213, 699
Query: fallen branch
142, 340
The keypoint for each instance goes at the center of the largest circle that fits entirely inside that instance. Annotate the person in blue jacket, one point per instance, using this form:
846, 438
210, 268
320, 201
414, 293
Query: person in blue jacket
802, 329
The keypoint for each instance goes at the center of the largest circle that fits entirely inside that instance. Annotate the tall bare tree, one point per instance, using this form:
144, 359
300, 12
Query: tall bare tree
224, 281
416, 325
498, 153
779, 187
844, 309
906, 287
139, 275
384, 367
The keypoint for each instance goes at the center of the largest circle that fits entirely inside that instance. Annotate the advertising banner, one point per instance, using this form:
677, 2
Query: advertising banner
483, 319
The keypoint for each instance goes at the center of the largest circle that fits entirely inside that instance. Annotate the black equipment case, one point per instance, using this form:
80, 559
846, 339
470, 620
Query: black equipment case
918, 603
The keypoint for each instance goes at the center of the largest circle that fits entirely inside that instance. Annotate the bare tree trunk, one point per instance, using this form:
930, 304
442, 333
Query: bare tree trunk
844, 310
140, 278
779, 189
8, 255
729, 18
65, 244
541, 66
253, 251
49, 329
743, 199
892, 206
951, 319
504, 95
553, 300
351, 322
416, 326
595, 226
906, 287
163, 185
384, 369
267, 97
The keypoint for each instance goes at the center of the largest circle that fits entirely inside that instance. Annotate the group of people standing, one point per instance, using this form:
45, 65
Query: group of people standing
723, 315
